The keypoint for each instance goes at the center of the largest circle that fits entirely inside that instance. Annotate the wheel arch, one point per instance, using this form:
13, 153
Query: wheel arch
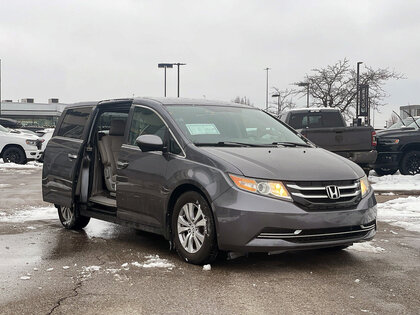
175, 194
411, 147
11, 146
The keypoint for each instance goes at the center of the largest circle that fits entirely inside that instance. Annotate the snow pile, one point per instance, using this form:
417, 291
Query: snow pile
32, 164
4, 185
395, 182
366, 247
207, 267
154, 261
32, 214
402, 212
91, 268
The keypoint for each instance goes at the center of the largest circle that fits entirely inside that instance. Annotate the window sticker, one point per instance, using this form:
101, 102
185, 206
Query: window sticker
202, 129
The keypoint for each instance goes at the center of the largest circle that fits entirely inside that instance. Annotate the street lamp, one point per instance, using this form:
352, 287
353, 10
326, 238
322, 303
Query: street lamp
307, 91
165, 66
266, 90
179, 64
278, 103
357, 89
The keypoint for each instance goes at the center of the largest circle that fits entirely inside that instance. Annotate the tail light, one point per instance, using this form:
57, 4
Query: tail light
374, 141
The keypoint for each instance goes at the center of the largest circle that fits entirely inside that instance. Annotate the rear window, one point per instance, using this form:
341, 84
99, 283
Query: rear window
74, 122
316, 120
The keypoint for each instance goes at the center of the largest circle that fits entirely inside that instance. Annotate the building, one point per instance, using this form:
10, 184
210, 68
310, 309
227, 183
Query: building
414, 111
31, 114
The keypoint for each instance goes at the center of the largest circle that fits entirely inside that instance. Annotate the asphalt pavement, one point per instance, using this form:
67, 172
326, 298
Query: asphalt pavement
110, 269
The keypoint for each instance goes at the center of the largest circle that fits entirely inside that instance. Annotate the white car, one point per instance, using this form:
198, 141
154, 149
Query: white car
18, 147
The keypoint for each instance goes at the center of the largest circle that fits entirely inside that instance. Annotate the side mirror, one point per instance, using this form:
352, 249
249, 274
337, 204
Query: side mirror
148, 143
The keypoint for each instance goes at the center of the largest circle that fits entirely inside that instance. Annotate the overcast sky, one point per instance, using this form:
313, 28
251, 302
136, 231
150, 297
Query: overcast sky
92, 50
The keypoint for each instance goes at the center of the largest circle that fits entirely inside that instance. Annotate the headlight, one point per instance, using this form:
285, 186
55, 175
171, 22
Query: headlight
364, 186
389, 141
31, 142
274, 189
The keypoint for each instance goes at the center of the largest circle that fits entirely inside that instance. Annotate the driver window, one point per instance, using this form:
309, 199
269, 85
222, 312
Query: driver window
145, 122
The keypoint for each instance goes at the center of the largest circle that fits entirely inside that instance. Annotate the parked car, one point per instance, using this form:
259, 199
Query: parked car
10, 123
45, 136
399, 149
209, 176
327, 128
18, 147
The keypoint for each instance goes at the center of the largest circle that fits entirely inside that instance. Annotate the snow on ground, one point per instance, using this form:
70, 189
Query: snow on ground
366, 247
395, 182
402, 212
31, 164
31, 214
154, 261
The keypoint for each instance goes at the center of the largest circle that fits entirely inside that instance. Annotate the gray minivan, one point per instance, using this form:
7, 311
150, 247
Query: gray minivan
209, 176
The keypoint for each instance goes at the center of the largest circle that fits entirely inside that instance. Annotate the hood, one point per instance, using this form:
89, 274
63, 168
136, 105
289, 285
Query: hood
395, 132
19, 134
294, 164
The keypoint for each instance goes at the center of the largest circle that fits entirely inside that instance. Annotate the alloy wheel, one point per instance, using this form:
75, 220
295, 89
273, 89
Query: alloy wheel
413, 164
191, 227
67, 213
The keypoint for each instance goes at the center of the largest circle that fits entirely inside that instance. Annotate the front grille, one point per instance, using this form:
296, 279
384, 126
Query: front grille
39, 144
315, 195
319, 235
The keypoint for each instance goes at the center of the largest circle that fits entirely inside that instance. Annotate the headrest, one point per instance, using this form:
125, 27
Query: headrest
117, 127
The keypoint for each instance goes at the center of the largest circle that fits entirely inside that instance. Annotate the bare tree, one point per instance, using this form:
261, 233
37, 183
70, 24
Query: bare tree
335, 86
283, 101
392, 120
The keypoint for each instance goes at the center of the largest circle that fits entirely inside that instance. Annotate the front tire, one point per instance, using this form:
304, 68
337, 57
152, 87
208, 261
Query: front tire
71, 219
193, 229
410, 163
14, 154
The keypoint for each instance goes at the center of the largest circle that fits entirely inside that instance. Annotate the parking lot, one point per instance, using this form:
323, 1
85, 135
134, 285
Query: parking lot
46, 269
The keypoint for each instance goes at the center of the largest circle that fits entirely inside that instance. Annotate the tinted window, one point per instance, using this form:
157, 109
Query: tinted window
105, 119
316, 120
145, 122
74, 122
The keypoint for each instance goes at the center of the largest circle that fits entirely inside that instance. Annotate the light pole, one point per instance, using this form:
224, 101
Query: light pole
266, 90
179, 64
278, 103
307, 91
164, 66
357, 88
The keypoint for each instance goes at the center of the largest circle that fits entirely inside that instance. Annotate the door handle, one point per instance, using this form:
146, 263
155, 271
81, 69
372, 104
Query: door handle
122, 165
72, 156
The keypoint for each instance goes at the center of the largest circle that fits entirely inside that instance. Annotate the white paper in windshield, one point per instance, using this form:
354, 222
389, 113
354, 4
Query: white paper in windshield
202, 129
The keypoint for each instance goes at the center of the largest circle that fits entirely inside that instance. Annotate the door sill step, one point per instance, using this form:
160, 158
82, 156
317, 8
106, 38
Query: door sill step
102, 200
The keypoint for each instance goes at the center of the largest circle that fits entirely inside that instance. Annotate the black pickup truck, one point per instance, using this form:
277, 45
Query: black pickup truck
327, 128
399, 149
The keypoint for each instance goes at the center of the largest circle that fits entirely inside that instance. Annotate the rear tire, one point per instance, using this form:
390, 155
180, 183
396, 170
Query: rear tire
410, 163
385, 171
71, 219
14, 154
193, 229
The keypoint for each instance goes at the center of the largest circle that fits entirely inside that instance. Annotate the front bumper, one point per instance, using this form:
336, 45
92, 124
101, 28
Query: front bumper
388, 160
32, 154
361, 158
243, 220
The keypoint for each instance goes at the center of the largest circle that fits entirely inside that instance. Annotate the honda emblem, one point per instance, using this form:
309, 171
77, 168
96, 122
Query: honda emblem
333, 192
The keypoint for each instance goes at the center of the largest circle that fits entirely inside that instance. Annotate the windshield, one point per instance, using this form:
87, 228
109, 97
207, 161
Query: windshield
3, 129
413, 124
400, 124
212, 125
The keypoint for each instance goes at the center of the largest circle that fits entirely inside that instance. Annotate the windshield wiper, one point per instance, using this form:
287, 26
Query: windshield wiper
292, 144
230, 144
411, 116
